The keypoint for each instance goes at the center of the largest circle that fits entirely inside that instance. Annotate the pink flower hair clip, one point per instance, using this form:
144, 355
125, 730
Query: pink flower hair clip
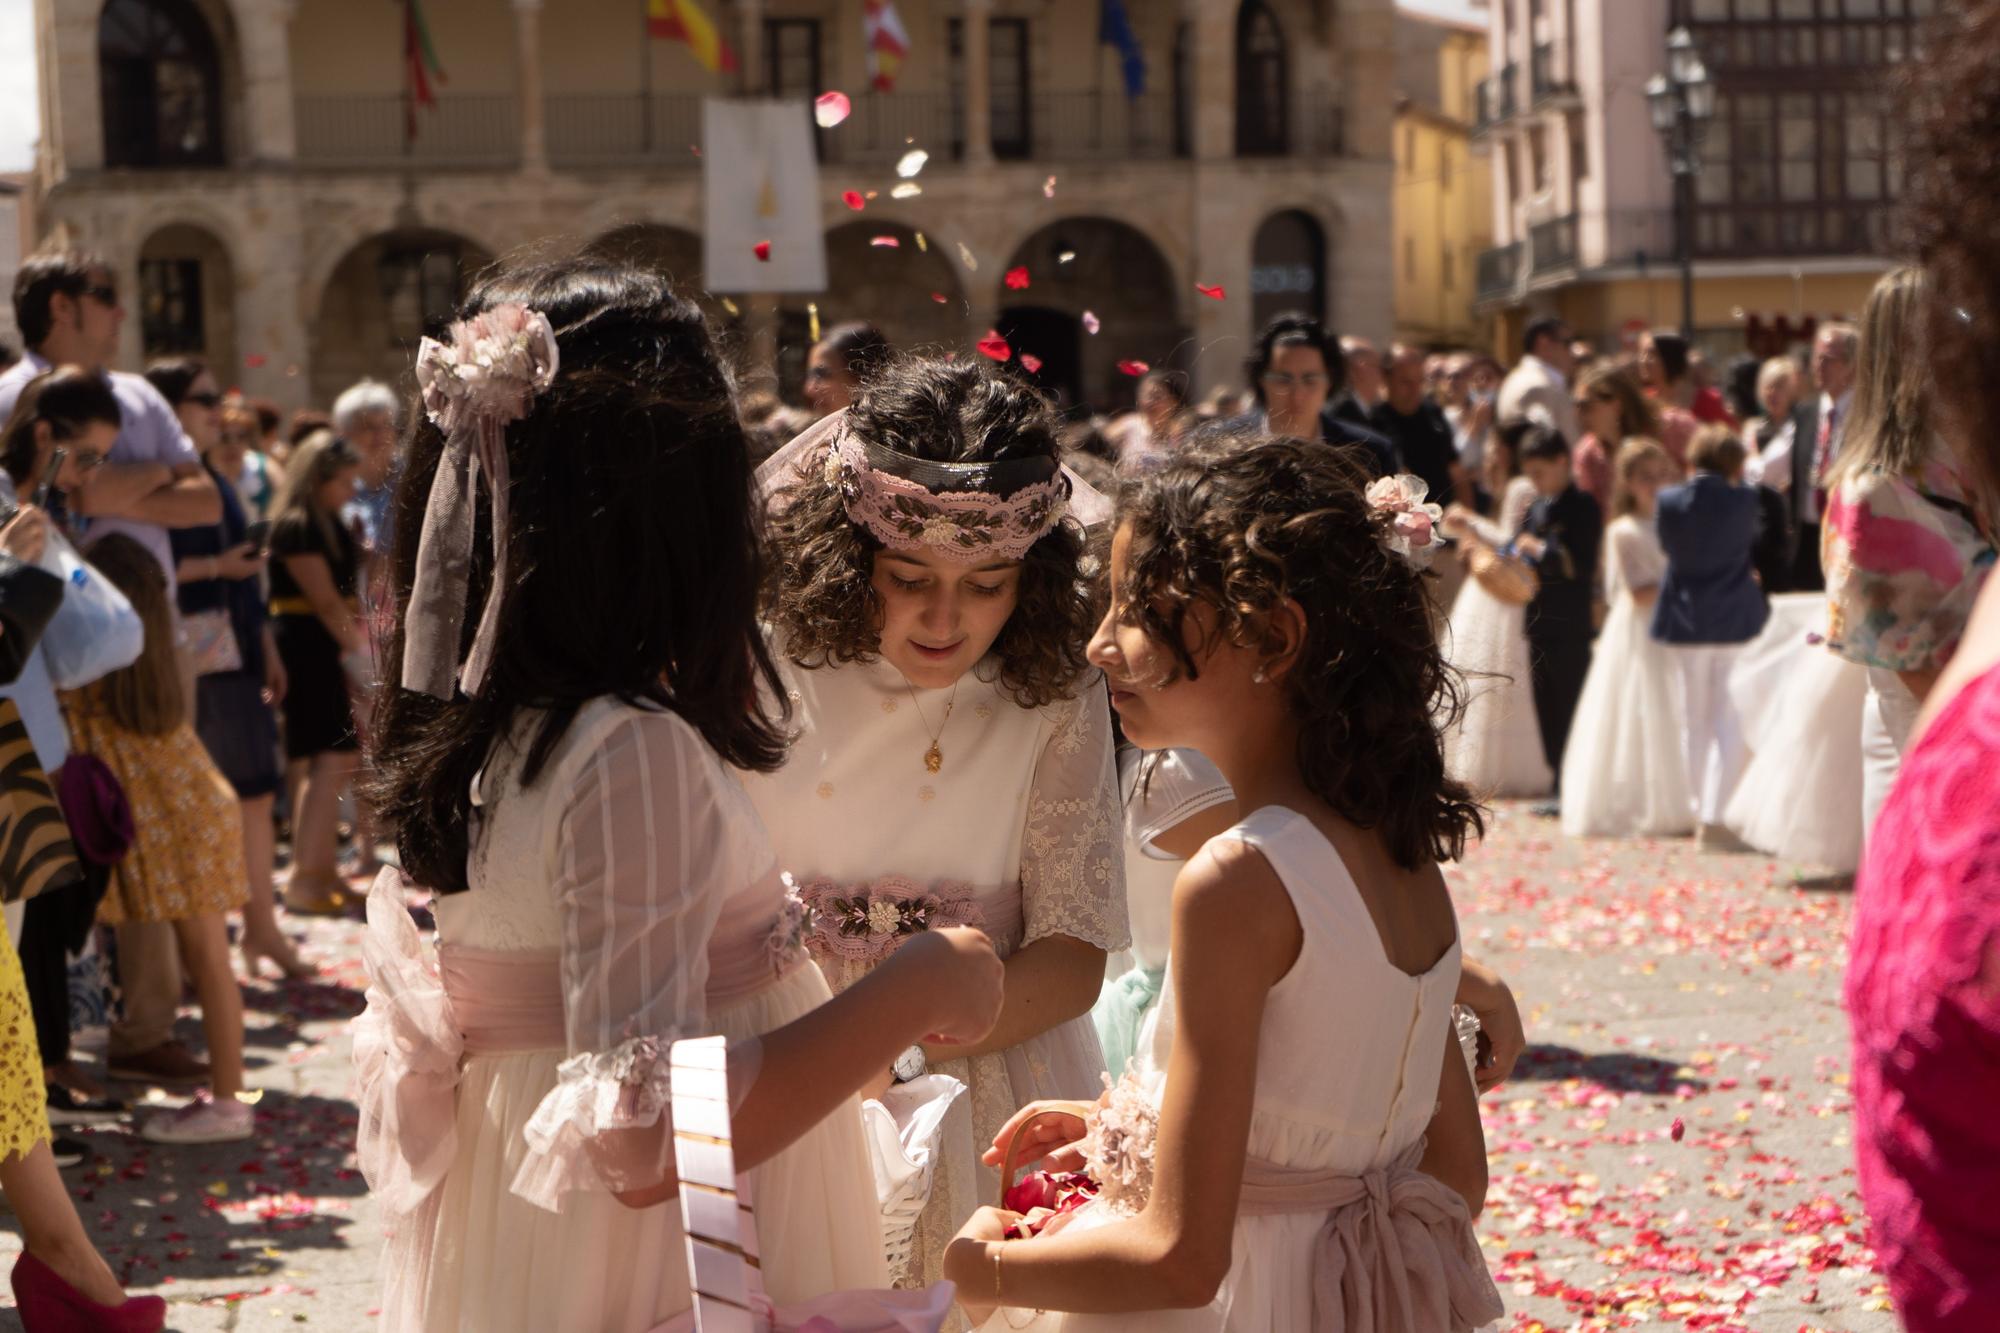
1413, 524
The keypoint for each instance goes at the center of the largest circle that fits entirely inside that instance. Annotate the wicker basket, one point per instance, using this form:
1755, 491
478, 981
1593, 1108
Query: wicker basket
1505, 575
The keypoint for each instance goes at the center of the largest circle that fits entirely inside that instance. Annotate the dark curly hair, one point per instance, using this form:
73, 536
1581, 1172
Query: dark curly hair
1242, 529
821, 597
1952, 211
633, 557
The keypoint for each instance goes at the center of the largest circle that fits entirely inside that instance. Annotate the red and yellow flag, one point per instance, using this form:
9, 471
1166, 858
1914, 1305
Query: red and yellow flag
684, 21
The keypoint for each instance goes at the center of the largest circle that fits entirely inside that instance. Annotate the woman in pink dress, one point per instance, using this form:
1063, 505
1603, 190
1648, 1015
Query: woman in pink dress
1926, 939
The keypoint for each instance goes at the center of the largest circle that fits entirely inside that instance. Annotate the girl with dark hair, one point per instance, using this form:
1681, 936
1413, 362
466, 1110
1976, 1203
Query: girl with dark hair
554, 741
954, 760
1664, 373
1265, 612
842, 362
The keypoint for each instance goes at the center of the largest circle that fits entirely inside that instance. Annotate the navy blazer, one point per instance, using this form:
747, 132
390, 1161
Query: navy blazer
1709, 529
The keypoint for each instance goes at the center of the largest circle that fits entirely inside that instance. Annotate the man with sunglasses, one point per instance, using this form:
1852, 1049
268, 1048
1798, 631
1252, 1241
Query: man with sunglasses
67, 307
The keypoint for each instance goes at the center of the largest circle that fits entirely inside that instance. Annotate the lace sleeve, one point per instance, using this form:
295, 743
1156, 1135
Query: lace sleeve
1072, 858
643, 860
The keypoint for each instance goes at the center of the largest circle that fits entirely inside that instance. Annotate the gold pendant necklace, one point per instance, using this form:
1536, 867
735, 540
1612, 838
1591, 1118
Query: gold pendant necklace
933, 757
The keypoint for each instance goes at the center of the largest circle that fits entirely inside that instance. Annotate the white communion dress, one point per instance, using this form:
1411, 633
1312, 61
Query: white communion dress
1348, 1061
1017, 832
628, 898
1625, 768
1495, 746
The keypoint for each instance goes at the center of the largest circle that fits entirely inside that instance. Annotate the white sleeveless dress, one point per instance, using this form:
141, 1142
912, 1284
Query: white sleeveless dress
1495, 746
637, 867
1350, 1097
1625, 771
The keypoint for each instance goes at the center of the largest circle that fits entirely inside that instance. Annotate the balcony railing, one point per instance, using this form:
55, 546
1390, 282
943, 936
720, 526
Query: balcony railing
1498, 99
625, 130
1072, 127
1544, 78
375, 132
1553, 244
1499, 271
1754, 231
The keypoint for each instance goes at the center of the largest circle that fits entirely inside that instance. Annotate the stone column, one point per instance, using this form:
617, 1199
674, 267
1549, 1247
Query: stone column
528, 86
1211, 79
265, 35
978, 68
270, 301
71, 106
750, 13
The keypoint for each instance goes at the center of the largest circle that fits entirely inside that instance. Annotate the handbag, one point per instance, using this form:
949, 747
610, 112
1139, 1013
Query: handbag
723, 1269
1503, 574
211, 642
93, 801
36, 854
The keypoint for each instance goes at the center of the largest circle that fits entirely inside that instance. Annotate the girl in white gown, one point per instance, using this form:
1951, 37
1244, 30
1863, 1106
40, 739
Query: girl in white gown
603, 885
1495, 746
954, 760
1304, 1151
1624, 770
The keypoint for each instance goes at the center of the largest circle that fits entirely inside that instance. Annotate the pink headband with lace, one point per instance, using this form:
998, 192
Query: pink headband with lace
961, 511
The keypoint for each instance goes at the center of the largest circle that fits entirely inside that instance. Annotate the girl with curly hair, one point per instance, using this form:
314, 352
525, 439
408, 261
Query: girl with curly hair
953, 763
1266, 612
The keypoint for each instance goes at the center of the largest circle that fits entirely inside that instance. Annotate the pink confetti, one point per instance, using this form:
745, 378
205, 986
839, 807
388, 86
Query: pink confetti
940, 298
1031, 363
887, 242
854, 200
763, 251
1133, 368
1212, 293
1090, 322
1679, 1129
995, 346
1049, 188
829, 109
1017, 278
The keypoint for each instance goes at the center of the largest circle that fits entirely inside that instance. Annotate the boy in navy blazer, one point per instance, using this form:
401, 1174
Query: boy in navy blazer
1710, 605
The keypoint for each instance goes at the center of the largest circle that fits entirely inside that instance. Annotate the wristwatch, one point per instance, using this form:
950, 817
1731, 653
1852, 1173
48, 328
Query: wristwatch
910, 1064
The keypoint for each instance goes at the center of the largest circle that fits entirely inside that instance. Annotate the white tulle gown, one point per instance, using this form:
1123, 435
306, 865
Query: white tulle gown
1625, 772
1495, 747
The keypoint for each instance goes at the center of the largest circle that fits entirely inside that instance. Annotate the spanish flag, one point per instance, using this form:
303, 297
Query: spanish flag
684, 21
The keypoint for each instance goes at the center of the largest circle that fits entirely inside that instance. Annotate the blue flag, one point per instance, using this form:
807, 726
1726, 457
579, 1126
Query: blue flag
1114, 28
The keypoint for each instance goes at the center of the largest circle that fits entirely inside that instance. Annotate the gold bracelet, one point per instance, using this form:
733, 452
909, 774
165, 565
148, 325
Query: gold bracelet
997, 1300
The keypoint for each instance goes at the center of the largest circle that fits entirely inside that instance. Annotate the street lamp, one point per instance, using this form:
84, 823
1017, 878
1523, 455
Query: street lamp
1682, 102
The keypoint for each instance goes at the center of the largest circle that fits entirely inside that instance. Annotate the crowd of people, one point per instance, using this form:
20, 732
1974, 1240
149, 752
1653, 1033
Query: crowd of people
980, 774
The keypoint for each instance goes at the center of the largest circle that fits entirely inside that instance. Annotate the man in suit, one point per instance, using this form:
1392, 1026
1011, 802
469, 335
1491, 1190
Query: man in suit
1539, 386
1418, 428
1293, 368
1560, 537
1820, 428
1709, 607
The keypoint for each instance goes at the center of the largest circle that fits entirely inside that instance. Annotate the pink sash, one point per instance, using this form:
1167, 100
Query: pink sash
1397, 1253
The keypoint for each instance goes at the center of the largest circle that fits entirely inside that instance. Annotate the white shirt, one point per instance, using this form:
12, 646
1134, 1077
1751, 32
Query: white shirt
1773, 465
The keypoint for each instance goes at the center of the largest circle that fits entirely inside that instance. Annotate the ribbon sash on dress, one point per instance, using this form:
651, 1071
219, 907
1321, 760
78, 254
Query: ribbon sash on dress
1397, 1252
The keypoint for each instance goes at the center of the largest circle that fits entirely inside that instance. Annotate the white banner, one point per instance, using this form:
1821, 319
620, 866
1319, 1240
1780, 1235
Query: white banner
761, 179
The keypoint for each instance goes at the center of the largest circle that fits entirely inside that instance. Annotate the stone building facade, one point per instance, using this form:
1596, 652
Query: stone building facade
250, 167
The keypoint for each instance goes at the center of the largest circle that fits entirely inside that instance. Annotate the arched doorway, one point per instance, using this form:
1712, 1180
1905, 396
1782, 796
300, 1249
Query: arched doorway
384, 296
897, 288
1288, 267
187, 299
160, 79
1261, 83
1114, 272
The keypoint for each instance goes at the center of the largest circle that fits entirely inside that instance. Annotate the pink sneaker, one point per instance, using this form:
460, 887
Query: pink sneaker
203, 1120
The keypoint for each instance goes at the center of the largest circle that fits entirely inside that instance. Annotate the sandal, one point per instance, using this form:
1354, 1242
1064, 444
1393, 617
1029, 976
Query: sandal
317, 895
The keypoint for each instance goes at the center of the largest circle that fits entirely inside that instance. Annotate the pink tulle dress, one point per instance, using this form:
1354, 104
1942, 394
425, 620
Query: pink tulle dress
1923, 994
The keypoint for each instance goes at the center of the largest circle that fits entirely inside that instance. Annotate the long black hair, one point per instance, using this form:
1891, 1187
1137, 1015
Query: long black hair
633, 561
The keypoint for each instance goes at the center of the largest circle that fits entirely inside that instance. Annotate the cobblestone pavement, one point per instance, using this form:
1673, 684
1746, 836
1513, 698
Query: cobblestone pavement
1674, 1152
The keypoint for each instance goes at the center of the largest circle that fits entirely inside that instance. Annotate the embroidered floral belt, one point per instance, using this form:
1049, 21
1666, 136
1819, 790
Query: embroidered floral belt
868, 922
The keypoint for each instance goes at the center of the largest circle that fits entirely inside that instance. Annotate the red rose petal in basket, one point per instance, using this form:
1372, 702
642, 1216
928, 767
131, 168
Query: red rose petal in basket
1133, 368
829, 109
1031, 363
763, 251
995, 346
853, 199
1212, 293
1017, 278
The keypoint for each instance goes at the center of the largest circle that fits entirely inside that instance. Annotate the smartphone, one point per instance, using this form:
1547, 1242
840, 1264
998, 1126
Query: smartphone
43, 491
258, 534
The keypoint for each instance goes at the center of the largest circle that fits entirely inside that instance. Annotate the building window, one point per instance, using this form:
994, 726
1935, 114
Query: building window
421, 287
1260, 82
1009, 96
161, 83
170, 309
1184, 90
791, 57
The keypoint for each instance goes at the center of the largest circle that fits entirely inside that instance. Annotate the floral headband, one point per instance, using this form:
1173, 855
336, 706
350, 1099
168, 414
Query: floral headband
962, 511
484, 378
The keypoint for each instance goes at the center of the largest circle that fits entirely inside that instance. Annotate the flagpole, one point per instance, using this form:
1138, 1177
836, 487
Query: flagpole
646, 79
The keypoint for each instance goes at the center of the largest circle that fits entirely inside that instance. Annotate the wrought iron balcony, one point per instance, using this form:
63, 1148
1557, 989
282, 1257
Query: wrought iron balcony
1499, 271
1553, 244
377, 133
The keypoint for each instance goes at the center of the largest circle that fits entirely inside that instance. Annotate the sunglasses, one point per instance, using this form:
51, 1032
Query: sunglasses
204, 399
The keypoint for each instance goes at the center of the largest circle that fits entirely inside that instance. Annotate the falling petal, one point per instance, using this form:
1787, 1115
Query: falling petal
965, 254
907, 190
940, 298
1029, 361
886, 242
763, 251
1133, 368
1065, 256
923, 244
1017, 278
730, 306
1049, 188
995, 346
812, 320
1679, 1129
911, 163
1090, 322
1212, 293
829, 109
853, 199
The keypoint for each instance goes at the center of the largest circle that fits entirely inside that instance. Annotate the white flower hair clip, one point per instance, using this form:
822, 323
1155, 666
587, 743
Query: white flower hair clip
1413, 524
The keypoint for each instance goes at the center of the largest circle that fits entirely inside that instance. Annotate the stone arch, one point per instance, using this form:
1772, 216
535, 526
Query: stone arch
894, 287
1115, 272
1290, 267
386, 292
166, 73
186, 298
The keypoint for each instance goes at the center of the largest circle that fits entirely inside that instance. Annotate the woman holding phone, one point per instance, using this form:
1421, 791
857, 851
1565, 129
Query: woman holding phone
239, 678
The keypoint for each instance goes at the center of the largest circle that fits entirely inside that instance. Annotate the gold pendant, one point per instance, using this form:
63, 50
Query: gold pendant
933, 758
